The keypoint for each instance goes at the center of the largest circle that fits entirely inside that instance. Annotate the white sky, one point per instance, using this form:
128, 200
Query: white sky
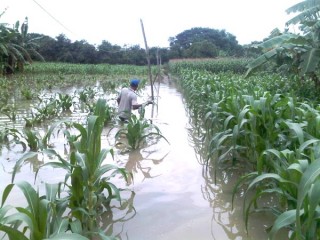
118, 21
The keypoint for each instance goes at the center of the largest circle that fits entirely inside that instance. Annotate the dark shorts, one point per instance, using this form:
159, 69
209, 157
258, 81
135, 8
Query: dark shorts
122, 119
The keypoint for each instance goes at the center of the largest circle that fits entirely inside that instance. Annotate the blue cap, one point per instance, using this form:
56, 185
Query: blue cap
134, 82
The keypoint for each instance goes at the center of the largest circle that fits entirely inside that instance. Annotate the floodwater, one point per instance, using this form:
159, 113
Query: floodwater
172, 196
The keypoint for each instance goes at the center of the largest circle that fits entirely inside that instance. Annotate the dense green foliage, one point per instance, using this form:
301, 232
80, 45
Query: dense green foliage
267, 127
204, 43
296, 53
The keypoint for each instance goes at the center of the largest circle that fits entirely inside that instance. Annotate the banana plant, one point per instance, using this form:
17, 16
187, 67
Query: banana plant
302, 50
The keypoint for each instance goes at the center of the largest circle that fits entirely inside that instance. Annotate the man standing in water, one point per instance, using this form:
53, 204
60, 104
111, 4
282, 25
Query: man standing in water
127, 100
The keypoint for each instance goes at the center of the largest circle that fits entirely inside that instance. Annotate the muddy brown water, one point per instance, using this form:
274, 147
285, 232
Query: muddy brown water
172, 194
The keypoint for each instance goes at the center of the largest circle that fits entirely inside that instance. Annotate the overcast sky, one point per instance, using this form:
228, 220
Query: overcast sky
118, 21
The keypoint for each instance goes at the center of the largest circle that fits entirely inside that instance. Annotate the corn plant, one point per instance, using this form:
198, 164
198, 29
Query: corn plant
10, 111
136, 131
64, 101
31, 138
102, 109
87, 94
89, 177
47, 109
4, 136
27, 93
43, 217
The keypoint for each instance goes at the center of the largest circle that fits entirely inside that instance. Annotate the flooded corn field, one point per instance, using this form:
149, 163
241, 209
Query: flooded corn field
172, 195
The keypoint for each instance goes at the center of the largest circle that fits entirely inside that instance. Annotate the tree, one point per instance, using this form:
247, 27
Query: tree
63, 49
195, 41
108, 53
83, 52
46, 46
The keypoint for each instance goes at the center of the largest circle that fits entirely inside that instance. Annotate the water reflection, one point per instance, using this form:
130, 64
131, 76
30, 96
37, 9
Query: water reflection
139, 163
218, 189
117, 214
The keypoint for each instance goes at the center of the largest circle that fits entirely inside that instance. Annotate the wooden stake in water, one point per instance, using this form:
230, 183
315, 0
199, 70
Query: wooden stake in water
148, 60
149, 65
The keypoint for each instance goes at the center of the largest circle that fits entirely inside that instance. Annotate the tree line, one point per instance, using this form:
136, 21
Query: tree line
194, 43
18, 47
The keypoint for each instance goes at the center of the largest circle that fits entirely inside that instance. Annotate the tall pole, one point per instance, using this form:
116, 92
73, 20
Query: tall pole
148, 60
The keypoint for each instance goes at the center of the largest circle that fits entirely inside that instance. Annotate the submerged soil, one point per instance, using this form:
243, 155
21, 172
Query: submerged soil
172, 195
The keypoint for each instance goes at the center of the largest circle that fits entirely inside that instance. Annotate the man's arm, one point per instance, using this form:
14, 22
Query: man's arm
136, 106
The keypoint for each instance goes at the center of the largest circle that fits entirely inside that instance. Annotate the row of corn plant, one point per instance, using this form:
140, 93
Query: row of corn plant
70, 209
272, 135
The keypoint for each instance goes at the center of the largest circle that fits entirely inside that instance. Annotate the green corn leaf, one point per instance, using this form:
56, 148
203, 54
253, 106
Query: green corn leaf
297, 130
102, 156
19, 163
309, 176
241, 181
51, 191
262, 177
76, 226
306, 144
31, 196
13, 233
82, 145
42, 218
61, 227
314, 200
285, 219
297, 167
3, 211
6, 193
103, 169
227, 121
24, 216
113, 190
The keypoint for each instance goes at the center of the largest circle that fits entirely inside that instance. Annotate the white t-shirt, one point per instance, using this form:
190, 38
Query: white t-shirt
127, 98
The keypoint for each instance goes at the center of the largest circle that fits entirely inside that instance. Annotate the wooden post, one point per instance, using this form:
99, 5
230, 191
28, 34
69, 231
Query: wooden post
148, 60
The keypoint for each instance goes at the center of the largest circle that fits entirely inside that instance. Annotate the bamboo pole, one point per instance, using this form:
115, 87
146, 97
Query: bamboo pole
148, 60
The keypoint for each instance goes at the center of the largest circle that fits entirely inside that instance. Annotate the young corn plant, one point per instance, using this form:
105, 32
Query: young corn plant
102, 109
28, 137
27, 93
88, 179
64, 101
295, 183
43, 218
87, 94
136, 132
10, 111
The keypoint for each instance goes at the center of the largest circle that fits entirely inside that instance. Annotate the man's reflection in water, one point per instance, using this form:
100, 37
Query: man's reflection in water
120, 214
137, 163
117, 214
